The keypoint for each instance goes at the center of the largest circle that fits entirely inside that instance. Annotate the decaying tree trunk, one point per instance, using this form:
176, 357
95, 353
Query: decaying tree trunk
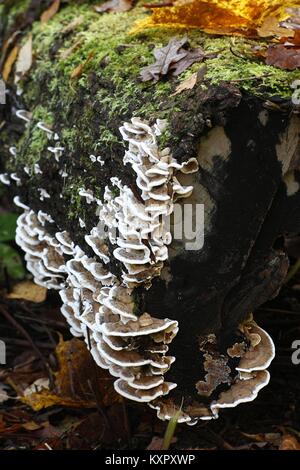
232, 144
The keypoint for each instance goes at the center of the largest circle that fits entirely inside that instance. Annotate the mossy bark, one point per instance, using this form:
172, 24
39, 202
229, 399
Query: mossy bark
240, 101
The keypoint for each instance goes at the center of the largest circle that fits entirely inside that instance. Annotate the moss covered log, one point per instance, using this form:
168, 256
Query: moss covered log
240, 126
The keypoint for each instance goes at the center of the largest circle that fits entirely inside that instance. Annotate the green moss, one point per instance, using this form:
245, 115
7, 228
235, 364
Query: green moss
33, 143
70, 193
88, 109
17, 7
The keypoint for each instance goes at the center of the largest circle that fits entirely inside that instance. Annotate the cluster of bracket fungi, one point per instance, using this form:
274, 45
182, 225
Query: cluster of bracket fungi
100, 306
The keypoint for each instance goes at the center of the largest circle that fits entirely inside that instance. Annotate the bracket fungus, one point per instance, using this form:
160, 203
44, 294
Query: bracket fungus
100, 306
100, 179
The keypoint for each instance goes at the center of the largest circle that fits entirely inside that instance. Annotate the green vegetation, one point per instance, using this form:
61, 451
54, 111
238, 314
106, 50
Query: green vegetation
88, 109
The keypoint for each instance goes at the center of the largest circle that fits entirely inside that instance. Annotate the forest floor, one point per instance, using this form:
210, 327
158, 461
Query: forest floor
53, 397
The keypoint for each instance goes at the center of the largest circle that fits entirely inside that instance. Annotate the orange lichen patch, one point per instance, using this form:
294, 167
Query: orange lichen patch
240, 17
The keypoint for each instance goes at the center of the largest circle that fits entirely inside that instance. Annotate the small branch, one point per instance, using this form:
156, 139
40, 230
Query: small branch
293, 271
26, 335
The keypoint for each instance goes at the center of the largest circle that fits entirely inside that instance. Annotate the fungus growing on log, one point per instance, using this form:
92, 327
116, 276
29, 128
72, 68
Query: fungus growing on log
109, 174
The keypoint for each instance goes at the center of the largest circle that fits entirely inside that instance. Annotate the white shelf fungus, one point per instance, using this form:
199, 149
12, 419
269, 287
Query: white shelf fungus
100, 307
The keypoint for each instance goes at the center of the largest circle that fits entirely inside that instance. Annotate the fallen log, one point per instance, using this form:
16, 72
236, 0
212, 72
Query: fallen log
113, 161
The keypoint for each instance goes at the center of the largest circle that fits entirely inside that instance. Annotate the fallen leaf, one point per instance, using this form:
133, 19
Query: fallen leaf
9, 62
289, 442
67, 52
77, 381
187, 84
31, 426
271, 27
270, 438
171, 58
165, 58
50, 12
27, 290
283, 57
69, 28
192, 56
294, 41
232, 17
114, 6
76, 73
24, 60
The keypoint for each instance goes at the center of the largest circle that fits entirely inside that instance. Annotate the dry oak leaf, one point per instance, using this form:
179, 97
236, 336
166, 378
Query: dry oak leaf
289, 442
114, 6
77, 381
50, 12
294, 41
27, 290
287, 58
271, 27
239, 17
171, 58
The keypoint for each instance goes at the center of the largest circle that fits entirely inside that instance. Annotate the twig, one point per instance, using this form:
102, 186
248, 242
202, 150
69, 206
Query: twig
95, 390
24, 333
293, 271
126, 423
24, 342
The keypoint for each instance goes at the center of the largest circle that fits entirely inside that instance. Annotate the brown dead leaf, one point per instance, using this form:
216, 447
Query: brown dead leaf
76, 382
27, 290
271, 27
67, 52
77, 72
289, 442
269, 438
187, 84
24, 60
50, 12
9, 62
283, 57
171, 58
69, 28
31, 426
114, 6
294, 41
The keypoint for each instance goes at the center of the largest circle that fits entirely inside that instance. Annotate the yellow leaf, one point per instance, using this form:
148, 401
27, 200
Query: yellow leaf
50, 12
27, 290
8, 65
45, 399
234, 17
77, 381
289, 442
